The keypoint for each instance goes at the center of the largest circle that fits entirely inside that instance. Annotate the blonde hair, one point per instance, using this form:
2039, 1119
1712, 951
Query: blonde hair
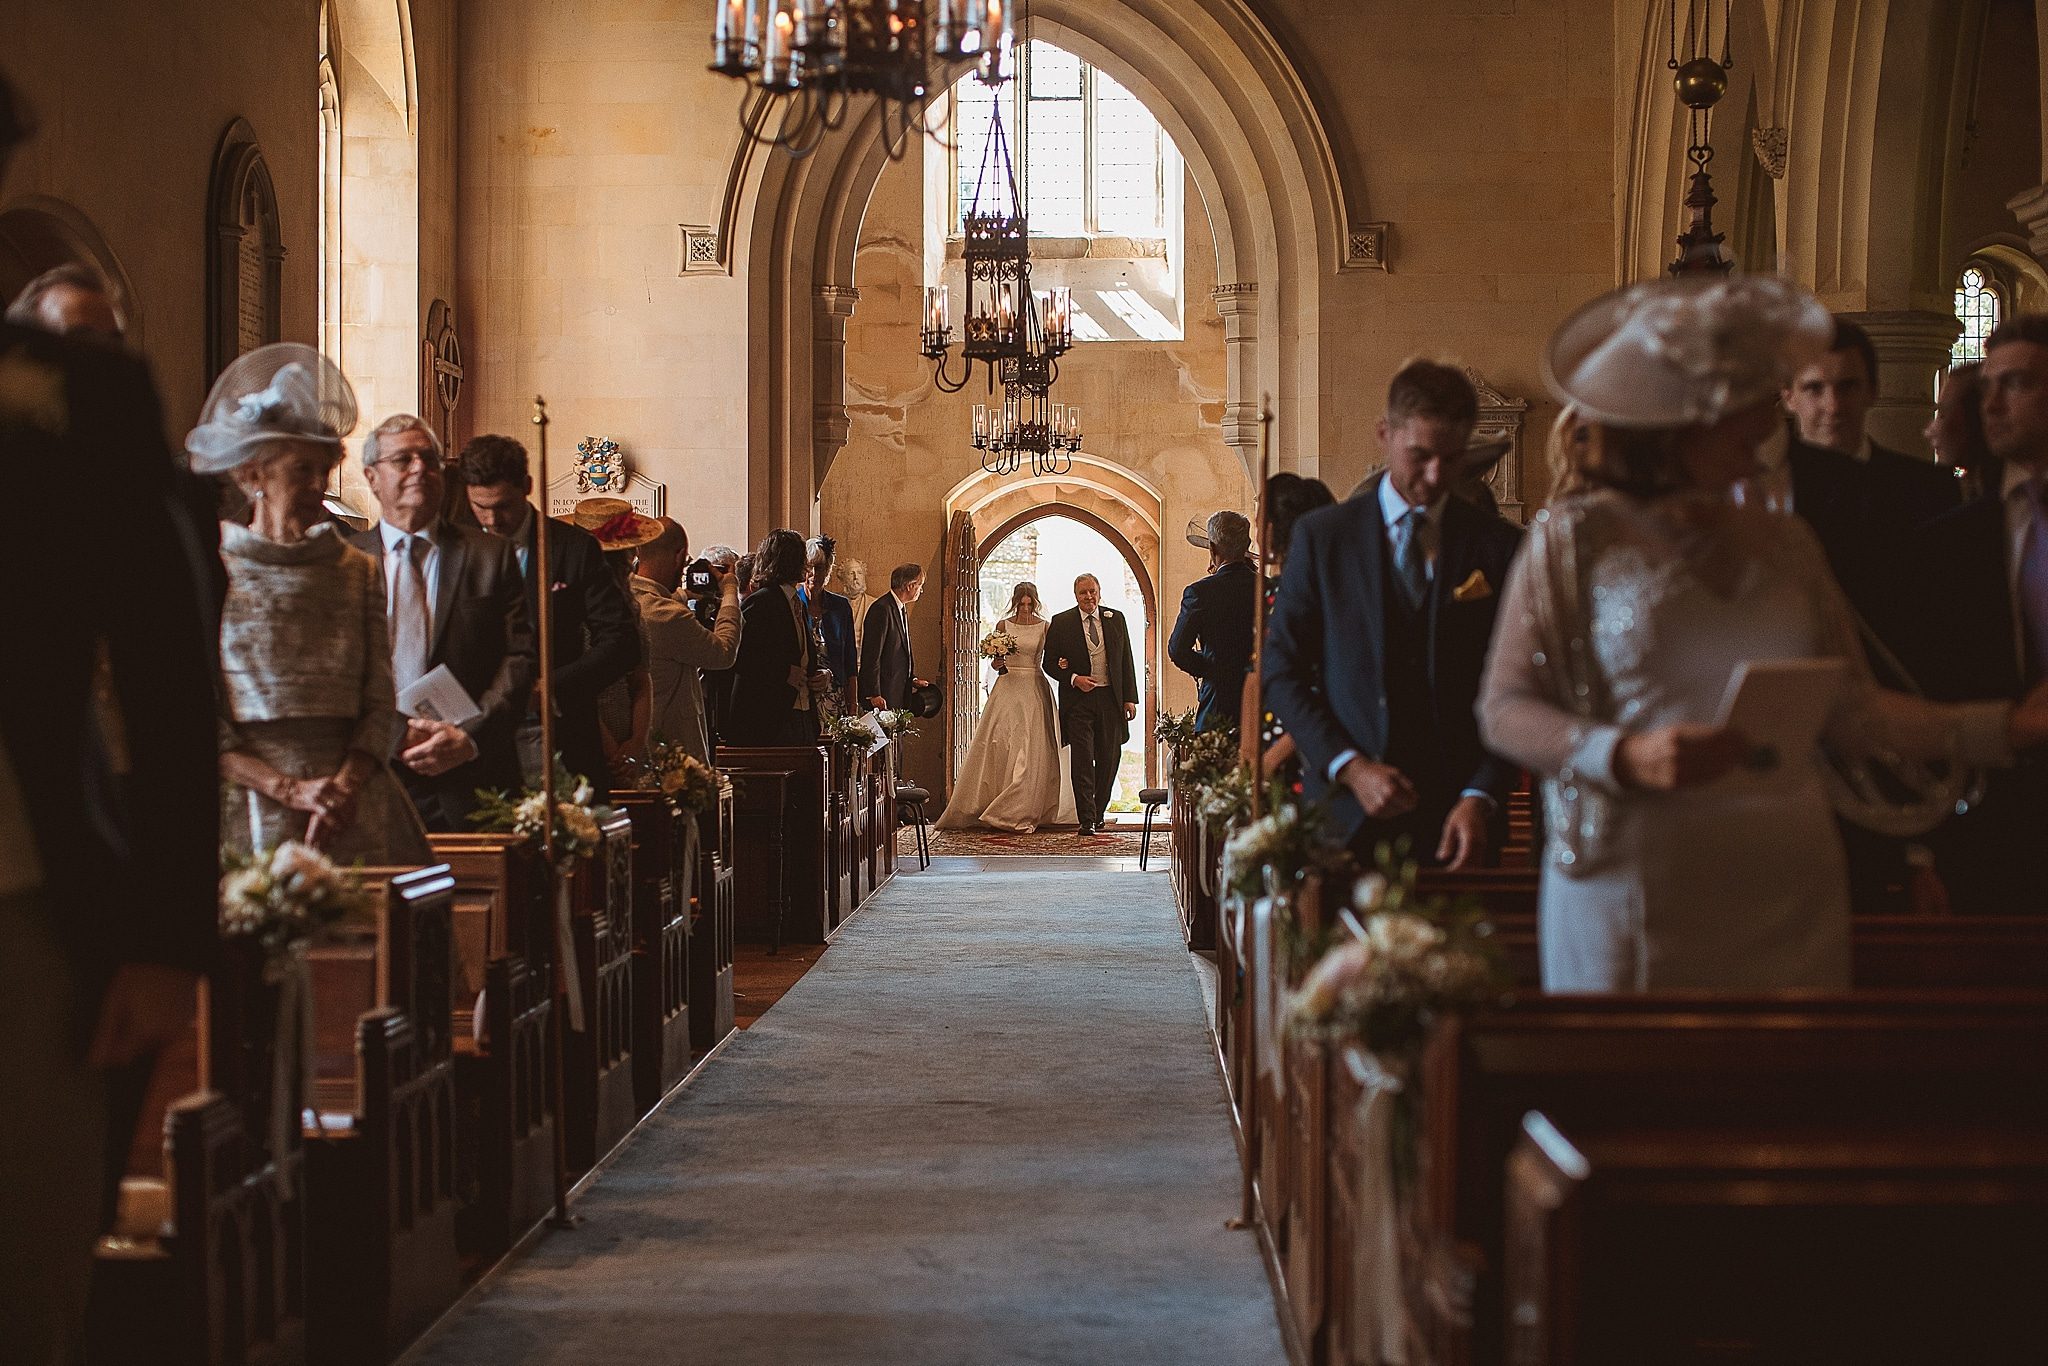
1586, 455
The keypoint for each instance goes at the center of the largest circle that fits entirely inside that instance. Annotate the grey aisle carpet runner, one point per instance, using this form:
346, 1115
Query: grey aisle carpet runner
985, 1128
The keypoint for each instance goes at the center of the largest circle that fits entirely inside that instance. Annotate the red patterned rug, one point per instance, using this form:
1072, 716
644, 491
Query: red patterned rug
989, 843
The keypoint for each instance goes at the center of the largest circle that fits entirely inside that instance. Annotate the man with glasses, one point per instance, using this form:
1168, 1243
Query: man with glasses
453, 595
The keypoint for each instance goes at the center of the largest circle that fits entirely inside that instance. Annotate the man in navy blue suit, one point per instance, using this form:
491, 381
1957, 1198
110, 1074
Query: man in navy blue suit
1212, 640
1379, 635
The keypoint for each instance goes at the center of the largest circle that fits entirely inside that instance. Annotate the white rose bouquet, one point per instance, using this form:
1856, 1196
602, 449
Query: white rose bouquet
998, 644
279, 896
577, 816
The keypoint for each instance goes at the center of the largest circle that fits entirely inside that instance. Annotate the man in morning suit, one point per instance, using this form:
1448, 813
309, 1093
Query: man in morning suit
778, 680
453, 596
596, 633
1088, 653
1864, 503
1212, 639
1379, 635
887, 669
1979, 608
108, 897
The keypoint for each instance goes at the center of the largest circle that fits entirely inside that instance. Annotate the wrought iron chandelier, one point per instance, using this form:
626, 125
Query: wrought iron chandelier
1701, 79
810, 59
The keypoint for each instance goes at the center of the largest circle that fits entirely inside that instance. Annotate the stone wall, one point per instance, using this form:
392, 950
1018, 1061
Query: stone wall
1153, 408
589, 133
132, 97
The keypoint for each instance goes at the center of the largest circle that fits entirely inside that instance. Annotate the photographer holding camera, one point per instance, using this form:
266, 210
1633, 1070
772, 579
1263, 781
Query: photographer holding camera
678, 642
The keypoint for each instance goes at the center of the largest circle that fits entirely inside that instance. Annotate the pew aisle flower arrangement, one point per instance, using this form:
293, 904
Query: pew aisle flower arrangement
900, 725
279, 898
687, 781
1175, 729
868, 732
1418, 959
578, 817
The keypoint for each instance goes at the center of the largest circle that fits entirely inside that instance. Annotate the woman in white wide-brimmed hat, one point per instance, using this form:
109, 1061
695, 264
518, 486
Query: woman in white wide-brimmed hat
1682, 853
309, 712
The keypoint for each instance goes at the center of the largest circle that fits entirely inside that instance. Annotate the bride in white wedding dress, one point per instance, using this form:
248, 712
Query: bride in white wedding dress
1015, 777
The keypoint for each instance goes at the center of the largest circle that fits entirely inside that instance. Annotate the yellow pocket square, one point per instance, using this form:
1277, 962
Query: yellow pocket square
1473, 589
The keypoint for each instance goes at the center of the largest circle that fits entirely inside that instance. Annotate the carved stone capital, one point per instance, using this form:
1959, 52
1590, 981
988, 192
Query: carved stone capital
837, 301
1237, 298
1241, 426
1913, 346
2031, 208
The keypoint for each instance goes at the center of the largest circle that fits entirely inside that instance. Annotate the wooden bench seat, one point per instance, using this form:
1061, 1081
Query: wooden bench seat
1877, 1065
597, 1060
505, 1116
664, 882
712, 1013
783, 824
381, 1258
1775, 1244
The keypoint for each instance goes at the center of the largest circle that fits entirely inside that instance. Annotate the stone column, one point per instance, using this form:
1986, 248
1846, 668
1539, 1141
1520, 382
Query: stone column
829, 424
2031, 208
1238, 305
1912, 352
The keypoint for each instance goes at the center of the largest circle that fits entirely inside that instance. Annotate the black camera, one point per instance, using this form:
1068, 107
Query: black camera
700, 580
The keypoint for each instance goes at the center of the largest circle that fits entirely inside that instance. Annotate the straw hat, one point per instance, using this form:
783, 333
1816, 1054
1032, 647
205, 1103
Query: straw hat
1684, 352
614, 522
277, 393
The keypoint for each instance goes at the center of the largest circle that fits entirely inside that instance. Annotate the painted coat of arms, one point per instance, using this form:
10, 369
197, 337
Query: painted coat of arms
600, 467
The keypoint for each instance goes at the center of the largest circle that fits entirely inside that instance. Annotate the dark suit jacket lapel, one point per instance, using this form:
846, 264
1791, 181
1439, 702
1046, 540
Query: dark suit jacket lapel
1374, 558
1456, 546
454, 555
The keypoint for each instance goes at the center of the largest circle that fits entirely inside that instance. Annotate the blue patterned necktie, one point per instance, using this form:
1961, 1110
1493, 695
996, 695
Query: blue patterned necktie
1411, 558
2034, 581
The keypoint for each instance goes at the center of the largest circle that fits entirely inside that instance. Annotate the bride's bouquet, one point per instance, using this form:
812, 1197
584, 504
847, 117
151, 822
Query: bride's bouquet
998, 645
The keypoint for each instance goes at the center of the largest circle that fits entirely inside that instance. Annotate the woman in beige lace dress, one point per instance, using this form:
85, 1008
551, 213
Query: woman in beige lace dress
1640, 591
309, 713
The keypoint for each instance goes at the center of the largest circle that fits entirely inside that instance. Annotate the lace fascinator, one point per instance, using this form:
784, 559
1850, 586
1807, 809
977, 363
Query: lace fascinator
282, 392
1684, 353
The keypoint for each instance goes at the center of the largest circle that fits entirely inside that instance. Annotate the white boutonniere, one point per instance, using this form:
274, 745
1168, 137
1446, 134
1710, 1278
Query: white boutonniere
32, 395
1107, 614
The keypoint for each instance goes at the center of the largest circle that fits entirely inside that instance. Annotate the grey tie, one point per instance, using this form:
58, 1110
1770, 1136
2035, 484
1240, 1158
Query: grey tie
1411, 559
409, 615
1094, 635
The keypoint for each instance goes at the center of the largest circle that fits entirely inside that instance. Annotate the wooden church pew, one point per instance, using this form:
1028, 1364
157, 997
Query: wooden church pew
597, 1060
505, 1118
783, 825
842, 884
711, 926
664, 879
214, 1271
380, 1161
1878, 1066
1814, 1244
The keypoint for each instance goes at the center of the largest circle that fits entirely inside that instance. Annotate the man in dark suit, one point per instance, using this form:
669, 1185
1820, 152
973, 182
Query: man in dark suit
596, 632
452, 596
834, 617
888, 671
1863, 502
108, 898
1379, 635
1861, 499
1088, 654
1979, 609
1212, 640
778, 680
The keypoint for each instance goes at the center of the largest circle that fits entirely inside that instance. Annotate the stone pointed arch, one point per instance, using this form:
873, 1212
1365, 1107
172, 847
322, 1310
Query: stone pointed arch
1285, 207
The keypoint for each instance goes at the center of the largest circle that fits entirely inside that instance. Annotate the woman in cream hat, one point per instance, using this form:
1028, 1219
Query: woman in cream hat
1682, 853
310, 715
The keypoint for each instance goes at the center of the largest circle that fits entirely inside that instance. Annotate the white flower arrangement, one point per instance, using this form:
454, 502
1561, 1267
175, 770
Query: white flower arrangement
280, 896
1419, 959
578, 819
998, 644
683, 778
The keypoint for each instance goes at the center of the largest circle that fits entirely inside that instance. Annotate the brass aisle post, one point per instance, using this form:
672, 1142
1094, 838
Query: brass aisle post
544, 622
1255, 743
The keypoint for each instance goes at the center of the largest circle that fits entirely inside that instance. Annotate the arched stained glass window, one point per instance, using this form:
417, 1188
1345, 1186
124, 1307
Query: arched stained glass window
1979, 306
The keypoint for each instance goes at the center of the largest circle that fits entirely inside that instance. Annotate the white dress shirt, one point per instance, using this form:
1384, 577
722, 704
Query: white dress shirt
430, 567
